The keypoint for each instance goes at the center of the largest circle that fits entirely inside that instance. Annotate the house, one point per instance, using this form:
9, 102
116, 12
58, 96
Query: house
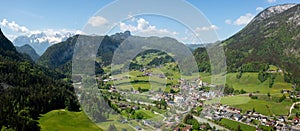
281, 118
296, 120
203, 127
228, 115
216, 118
295, 128
138, 128
135, 108
176, 129
178, 99
248, 120
124, 121
285, 91
187, 128
162, 76
147, 122
237, 117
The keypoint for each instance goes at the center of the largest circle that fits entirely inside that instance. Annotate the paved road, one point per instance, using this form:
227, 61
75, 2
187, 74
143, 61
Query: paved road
292, 107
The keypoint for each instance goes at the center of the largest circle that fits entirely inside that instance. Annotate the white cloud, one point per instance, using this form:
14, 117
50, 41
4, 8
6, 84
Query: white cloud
259, 9
271, 1
206, 28
53, 36
132, 18
97, 21
228, 21
244, 20
13, 26
145, 28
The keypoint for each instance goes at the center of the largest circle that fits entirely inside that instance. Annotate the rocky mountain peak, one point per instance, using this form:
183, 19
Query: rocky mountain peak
273, 10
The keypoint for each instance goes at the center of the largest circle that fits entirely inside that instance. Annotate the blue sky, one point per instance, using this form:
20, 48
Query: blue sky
33, 16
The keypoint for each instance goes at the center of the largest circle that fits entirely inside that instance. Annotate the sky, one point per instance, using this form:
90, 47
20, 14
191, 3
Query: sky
225, 17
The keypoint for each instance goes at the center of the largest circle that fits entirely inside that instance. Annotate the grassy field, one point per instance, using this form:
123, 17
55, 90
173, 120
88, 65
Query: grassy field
148, 115
233, 125
129, 126
146, 82
62, 120
262, 106
235, 100
250, 83
113, 119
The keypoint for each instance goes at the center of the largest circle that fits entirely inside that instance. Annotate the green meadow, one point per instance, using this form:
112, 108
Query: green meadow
63, 120
265, 107
250, 83
233, 125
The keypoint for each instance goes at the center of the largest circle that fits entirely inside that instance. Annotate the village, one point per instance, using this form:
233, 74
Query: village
189, 96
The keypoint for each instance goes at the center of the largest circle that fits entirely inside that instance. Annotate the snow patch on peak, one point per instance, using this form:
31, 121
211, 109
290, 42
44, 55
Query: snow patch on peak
271, 11
40, 41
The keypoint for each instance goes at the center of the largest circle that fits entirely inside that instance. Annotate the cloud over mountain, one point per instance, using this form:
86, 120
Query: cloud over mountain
145, 28
40, 40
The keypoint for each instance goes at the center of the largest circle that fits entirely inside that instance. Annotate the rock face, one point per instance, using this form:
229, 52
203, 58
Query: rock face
274, 10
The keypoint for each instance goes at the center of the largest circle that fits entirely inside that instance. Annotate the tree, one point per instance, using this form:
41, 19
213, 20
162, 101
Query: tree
112, 127
271, 81
139, 116
239, 75
172, 91
262, 76
159, 89
164, 103
187, 118
239, 128
250, 94
228, 90
195, 124
282, 98
243, 91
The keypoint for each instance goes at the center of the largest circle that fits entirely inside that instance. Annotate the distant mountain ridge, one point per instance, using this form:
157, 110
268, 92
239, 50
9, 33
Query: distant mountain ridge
59, 56
40, 42
27, 49
194, 46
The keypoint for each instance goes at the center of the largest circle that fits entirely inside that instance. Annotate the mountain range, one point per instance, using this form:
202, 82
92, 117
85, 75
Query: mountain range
271, 38
41, 41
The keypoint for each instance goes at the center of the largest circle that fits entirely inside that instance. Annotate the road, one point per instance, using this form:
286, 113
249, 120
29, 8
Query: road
292, 107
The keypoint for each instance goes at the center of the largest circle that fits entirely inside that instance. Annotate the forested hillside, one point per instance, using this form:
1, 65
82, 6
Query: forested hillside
27, 90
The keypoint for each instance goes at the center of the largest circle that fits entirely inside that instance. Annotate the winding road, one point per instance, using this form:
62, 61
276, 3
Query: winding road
292, 107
